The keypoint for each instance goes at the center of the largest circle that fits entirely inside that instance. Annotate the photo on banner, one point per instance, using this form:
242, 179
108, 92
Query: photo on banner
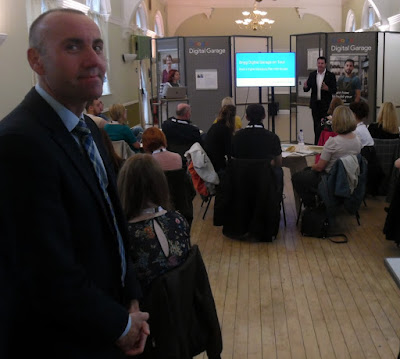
168, 60
358, 75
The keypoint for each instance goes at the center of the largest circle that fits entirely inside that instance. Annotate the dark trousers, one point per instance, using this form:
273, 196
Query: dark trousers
305, 183
318, 111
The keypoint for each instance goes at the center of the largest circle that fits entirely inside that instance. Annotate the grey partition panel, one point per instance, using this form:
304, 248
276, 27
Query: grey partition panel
174, 47
208, 76
391, 78
362, 49
308, 48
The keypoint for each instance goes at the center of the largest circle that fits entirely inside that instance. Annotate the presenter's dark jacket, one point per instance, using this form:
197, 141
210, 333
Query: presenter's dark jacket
326, 96
60, 270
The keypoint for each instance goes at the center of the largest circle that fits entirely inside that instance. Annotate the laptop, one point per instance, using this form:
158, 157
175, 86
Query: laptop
175, 92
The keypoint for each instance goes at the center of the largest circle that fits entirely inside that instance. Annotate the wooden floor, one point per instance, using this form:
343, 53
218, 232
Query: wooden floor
301, 297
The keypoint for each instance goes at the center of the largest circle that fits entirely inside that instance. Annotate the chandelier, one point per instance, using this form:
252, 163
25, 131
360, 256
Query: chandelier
255, 19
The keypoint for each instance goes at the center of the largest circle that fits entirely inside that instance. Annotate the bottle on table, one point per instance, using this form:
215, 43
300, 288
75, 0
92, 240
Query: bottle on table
300, 140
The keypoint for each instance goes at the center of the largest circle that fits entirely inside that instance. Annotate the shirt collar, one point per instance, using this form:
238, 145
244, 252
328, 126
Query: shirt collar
323, 74
184, 122
69, 119
255, 125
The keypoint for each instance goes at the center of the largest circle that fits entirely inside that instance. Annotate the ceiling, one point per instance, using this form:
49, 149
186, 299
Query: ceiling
180, 10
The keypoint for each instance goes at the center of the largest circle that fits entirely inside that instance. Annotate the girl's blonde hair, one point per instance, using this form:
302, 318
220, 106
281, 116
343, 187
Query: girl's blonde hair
117, 112
343, 120
387, 118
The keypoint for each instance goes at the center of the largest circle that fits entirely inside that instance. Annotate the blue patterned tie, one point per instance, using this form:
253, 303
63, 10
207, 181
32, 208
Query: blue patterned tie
85, 137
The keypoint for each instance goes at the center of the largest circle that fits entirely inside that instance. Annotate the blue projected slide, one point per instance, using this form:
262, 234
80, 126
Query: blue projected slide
258, 69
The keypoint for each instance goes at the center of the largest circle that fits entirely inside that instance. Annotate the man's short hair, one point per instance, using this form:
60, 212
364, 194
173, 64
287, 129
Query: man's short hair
36, 41
255, 113
360, 109
90, 103
350, 60
181, 111
322, 58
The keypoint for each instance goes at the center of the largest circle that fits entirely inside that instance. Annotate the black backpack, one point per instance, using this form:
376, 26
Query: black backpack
315, 223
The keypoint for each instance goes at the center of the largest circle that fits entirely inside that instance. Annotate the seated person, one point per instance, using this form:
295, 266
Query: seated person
116, 160
387, 125
93, 110
326, 124
255, 142
229, 101
155, 143
361, 111
181, 134
218, 142
101, 114
118, 129
305, 182
159, 239
173, 80
392, 228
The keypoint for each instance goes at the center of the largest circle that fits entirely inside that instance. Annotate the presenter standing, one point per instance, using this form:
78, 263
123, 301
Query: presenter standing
322, 84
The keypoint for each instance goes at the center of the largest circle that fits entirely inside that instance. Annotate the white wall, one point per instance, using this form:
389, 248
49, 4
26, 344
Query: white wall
17, 77
15, 73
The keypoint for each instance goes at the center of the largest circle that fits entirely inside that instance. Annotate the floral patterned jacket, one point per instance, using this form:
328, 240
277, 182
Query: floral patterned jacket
145, 249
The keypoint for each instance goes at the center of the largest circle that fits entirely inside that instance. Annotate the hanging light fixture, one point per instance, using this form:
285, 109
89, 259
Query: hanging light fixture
255, 19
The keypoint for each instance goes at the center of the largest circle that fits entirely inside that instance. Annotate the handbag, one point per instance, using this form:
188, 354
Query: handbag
315, 223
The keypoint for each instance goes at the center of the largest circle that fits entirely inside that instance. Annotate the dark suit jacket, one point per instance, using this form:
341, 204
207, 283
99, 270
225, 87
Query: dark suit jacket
180, 135
59, 246
326, 96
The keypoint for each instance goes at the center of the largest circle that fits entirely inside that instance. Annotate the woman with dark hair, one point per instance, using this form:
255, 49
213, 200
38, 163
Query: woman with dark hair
155, 143
116, 160
361, 111
159, 239
173, 80
168, 63
219, 137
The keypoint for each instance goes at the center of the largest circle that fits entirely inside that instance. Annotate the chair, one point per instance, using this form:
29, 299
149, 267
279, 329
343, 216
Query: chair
334, 191
204, 177
183, 317
122, 149
251, 200
207, 200
387, 151
181, 192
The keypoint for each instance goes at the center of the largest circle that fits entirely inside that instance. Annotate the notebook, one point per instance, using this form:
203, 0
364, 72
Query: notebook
175, 92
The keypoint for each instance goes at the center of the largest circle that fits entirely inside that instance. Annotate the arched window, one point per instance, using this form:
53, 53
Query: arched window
159, 25
350, 22
370, 14
141, 17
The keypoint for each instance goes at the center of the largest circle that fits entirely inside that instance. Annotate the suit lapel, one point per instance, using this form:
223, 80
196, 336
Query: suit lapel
49, 119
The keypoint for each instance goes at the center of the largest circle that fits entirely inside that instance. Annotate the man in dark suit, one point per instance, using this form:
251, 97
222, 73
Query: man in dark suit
181, 134
68, 290
322, 84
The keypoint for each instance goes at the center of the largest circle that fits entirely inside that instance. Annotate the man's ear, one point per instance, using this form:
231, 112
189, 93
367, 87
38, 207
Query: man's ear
35, 61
